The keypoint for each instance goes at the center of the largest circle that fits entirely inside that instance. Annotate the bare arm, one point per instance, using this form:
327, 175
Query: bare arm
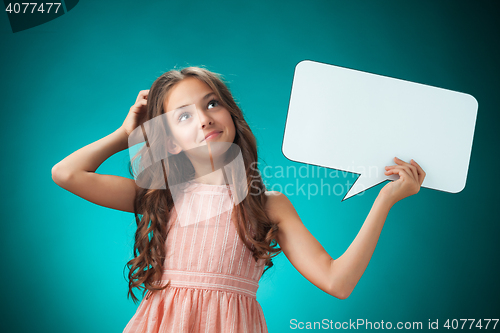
90, 157
349, 267
303, 251
339, 277
76, 173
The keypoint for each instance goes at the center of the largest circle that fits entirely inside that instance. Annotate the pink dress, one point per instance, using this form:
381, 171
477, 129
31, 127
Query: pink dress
214, 278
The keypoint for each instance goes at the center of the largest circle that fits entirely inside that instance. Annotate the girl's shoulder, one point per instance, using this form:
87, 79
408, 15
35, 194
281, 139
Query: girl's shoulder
277, 206
271, 193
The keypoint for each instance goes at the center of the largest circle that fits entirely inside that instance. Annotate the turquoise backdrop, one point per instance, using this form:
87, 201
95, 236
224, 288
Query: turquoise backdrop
71, 81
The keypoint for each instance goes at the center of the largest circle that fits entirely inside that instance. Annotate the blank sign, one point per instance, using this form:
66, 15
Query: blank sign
358, 122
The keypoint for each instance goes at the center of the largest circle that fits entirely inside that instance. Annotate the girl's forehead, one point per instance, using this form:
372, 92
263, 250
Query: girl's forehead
186, 92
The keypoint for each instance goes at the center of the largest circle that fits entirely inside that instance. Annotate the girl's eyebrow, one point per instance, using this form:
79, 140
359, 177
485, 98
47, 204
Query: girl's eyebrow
204, 98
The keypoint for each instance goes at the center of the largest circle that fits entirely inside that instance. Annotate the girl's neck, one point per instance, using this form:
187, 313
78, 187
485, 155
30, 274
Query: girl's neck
214, 178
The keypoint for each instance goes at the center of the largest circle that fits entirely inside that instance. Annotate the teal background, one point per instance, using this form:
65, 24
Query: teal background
71, 81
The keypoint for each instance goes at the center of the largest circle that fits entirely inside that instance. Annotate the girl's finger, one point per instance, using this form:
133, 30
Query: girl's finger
396, 170
404, 169
401, 172
421, 172
143, 102
407, 170
412, 171
399, 161
138, 106
143, 94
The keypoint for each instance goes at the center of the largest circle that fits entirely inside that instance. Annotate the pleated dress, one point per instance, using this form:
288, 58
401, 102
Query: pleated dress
213, 276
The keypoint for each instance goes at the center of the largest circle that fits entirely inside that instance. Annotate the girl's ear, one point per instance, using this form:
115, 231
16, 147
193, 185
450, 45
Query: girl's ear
172, 146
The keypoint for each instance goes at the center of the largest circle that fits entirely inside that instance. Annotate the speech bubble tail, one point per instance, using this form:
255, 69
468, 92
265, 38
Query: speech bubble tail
362, 184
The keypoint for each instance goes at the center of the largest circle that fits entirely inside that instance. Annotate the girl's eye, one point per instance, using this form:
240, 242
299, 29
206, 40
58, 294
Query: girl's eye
213, 101
182, 116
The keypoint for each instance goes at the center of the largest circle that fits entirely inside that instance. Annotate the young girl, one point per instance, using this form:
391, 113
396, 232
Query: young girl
204, 276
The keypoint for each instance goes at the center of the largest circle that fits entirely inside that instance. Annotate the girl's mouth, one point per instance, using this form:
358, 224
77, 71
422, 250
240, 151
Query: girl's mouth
212, 136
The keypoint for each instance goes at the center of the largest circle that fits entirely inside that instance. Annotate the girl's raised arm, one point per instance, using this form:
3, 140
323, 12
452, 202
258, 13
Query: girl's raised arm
339, 277
76, 173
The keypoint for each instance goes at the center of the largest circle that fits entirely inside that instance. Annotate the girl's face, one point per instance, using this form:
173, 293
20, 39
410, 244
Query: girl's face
193, 112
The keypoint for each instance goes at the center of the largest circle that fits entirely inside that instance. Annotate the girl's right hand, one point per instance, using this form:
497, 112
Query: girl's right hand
137, 113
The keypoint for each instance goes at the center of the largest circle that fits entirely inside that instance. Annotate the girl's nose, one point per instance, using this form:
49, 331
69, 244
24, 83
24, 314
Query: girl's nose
205, 118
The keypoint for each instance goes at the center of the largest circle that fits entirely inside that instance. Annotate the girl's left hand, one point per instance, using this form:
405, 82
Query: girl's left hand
411, 176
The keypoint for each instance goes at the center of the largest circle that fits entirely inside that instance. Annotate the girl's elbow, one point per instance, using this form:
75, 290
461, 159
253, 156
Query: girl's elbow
59, 175
340, 293
339, 290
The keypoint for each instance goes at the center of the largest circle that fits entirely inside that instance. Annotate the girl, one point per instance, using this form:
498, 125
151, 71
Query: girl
204, 276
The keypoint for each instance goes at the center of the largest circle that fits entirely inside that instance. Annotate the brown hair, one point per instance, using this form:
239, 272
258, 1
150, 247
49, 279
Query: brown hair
254, 227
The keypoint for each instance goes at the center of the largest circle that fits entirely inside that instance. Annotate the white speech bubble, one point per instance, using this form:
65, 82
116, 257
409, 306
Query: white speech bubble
355, 121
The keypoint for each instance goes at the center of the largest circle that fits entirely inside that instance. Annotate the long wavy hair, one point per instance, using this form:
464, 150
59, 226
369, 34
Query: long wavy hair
153, 207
